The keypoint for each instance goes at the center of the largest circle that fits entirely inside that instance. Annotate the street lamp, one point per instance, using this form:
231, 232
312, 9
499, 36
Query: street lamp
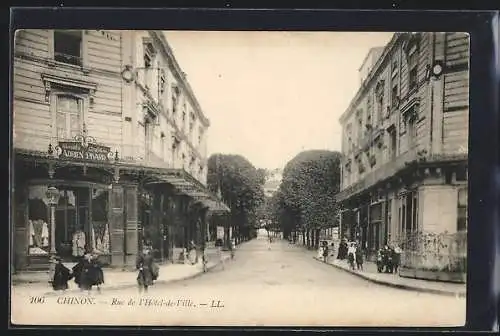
52, 195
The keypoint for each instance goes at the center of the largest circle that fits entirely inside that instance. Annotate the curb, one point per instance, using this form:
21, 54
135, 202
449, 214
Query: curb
399, 286
133, 285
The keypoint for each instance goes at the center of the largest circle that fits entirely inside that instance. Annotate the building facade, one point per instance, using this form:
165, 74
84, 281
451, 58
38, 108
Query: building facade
405, 143
273, 181
109, 148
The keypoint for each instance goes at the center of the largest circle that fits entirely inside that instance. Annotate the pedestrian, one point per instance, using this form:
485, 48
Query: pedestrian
231, 249
396, 259
192, 253
387, 259
62, 275
351, 251
380, 261
343, 247
204, 260
145, 266
325, 253
221, 256
88, 273
359, 258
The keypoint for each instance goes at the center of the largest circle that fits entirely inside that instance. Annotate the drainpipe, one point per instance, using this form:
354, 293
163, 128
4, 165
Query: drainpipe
431, 89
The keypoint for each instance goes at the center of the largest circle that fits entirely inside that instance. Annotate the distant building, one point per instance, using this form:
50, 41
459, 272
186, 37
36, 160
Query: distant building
405, 141
273, 181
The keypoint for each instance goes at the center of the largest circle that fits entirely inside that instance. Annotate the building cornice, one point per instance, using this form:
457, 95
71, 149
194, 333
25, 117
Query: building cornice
366, 84
179, 75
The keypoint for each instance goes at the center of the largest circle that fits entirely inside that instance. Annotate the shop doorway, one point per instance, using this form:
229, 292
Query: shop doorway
72, 219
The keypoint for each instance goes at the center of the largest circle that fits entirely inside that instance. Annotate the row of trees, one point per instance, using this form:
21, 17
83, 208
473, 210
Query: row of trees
305, 199
304, 202
241, 188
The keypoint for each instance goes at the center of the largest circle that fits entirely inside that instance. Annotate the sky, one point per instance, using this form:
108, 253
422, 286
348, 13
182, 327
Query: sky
271, 95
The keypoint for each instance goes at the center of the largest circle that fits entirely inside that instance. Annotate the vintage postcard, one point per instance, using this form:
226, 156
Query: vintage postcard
198, 178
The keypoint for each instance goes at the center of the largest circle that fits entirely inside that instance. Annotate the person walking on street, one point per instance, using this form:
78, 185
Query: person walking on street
325, 253
221, 257
351, 251
359, 257
145, 266
231, 249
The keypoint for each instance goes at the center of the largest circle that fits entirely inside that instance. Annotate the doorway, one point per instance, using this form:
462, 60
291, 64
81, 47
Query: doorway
72, 219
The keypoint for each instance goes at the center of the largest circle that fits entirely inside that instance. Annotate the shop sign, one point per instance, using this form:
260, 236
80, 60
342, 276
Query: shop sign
77, 150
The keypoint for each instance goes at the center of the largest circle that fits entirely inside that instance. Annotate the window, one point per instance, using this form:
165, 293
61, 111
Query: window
68, 46
394, 68
412, 132
380, 107
163, 82
68, 116
174, 103
413, 66
360, 130
148, 64
148, 135
393, 144
394, 96
462, 209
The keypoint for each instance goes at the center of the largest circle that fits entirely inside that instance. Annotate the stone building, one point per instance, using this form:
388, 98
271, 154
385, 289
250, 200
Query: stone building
405, 142
109, 145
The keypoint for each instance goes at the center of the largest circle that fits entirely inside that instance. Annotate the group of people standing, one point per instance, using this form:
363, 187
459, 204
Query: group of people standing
388, 258
88, 273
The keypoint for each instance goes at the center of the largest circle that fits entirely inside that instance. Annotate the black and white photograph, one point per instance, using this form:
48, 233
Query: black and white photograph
239, 178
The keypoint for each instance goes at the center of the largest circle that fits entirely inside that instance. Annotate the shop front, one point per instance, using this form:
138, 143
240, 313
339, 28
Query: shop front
59, 209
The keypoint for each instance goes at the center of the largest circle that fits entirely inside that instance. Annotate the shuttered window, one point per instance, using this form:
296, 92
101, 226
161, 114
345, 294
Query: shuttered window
69, 116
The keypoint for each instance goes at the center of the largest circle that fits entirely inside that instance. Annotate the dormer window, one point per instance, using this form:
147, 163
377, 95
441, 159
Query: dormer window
68, 46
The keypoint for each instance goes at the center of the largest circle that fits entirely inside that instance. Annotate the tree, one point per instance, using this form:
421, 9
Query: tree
306, 194
241, 186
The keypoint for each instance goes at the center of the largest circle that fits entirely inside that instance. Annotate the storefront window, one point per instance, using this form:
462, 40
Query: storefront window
38, 221
100, 223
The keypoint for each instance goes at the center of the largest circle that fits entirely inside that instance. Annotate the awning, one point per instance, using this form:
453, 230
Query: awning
189, 186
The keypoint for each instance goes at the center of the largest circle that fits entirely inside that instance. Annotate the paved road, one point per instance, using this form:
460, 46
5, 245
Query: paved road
260, 287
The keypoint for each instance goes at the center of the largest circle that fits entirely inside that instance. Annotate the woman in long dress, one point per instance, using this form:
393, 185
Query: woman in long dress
145, 266
88, 273
61, 275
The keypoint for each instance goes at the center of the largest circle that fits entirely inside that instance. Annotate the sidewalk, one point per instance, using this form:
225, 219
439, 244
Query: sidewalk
122, 279
394, 280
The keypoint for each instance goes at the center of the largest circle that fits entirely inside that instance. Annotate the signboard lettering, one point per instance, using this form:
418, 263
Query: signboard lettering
76, 150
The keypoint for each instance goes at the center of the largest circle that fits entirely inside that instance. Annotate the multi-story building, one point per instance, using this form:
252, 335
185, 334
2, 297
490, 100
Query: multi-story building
273, 181
110, 148
405, 142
